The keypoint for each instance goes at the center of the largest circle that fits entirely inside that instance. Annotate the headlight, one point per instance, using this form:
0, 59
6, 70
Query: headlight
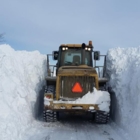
88, 49
65, 48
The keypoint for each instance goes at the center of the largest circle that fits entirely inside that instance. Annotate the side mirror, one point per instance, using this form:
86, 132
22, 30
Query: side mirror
55, 55
96, 55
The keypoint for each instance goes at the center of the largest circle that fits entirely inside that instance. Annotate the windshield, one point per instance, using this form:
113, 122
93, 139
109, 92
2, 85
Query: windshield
74, 56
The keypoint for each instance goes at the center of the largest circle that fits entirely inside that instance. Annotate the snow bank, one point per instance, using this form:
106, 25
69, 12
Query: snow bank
21, 78
123, 69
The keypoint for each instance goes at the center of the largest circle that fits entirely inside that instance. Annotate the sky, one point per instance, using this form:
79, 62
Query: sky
45, 24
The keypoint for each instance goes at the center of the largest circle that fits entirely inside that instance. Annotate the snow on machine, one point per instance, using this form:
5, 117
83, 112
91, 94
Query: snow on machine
75, 84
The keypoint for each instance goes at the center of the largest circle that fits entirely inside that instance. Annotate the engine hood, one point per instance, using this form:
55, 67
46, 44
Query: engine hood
76, 70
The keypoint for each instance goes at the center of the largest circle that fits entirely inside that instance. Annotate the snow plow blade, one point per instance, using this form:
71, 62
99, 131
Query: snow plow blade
66, 106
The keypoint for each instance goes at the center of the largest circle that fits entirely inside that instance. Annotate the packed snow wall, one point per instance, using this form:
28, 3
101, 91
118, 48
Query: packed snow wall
22, 75
123, 70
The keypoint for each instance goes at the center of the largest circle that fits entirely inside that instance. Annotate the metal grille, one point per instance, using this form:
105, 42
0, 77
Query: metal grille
67, 83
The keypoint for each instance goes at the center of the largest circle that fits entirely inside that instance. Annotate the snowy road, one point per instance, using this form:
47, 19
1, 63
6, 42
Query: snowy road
73, 129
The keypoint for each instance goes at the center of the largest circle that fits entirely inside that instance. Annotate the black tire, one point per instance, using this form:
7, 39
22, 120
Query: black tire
50, 89
102, 117
50, 115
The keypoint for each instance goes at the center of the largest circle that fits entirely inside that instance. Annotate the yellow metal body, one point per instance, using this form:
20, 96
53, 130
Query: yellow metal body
72, 71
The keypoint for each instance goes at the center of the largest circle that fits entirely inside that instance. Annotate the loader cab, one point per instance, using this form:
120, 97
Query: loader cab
72, 55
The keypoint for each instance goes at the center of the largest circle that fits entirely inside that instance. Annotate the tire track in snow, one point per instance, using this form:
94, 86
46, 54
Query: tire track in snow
74, 129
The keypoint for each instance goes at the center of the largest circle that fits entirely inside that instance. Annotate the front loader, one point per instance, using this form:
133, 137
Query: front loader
73, 77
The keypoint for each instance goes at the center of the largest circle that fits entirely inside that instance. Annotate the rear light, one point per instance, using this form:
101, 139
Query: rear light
77, 88
48, 96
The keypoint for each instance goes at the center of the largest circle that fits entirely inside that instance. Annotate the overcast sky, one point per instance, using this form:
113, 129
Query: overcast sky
45, 24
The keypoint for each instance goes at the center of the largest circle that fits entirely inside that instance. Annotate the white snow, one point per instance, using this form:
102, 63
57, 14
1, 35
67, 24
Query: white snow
22, 76
47, 101
123, 69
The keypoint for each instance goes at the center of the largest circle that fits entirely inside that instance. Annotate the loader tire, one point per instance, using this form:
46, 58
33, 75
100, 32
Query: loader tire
102, 117
50, 89
50, 115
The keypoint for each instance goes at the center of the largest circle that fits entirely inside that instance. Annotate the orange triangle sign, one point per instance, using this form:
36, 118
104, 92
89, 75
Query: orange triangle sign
77, 87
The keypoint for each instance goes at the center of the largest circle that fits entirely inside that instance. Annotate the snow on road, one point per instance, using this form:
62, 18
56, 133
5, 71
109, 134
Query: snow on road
73, 129
22, 77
